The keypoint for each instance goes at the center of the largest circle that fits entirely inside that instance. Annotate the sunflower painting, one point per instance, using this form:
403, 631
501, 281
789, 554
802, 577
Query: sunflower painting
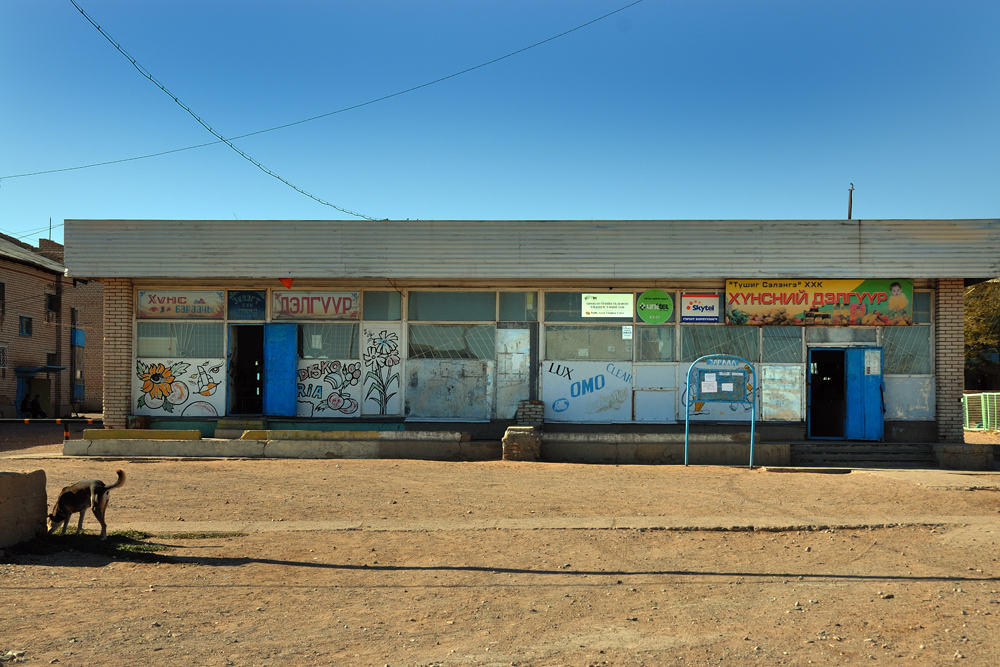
162, 387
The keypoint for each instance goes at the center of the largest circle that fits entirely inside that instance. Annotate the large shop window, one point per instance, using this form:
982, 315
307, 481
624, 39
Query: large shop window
328, 341
453, 306
907, 350
452, 341
739, 341
590, 343
781, 345
655, 344
180, 340
518, 306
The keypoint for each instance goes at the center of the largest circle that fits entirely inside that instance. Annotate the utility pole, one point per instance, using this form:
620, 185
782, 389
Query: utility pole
850, 197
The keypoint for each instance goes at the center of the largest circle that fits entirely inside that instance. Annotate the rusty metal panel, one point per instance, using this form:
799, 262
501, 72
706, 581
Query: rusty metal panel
782, 390
497, 249
449, 389
909, 397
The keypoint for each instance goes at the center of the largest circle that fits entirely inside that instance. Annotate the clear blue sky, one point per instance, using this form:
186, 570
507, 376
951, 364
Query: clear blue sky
675, 109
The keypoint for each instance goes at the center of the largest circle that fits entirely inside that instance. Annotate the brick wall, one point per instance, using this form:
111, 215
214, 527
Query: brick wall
118, 312
949, 350
25, 290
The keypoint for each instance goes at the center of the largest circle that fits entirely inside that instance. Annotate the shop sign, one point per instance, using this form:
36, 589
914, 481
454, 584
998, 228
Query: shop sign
819, 302
655, 306
699, 308
608, 305
246, 304
178, 305
308, 305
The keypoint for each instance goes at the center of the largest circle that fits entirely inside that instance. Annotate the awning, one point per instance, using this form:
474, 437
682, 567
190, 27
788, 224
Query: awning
31, 372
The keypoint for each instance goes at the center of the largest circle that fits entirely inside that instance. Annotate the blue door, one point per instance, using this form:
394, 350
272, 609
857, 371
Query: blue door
845, 393
865, 412
281, 351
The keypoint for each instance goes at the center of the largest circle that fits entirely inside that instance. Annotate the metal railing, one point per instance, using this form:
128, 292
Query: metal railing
981, 411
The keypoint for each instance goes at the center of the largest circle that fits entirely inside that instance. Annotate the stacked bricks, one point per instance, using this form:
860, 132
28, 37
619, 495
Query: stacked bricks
119, 310
521, 443
949, 351
530, 413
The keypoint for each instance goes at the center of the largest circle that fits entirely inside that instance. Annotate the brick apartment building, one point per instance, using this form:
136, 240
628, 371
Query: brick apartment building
51, 332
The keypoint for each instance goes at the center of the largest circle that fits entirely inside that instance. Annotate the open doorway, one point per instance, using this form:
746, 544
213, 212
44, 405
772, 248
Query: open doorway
827, 393
246, 369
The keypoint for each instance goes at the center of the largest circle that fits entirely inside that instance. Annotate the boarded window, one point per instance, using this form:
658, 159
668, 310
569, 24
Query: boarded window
180, 340
452, 341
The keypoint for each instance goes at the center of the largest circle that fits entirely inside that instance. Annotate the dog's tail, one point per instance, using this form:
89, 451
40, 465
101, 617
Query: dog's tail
120, 482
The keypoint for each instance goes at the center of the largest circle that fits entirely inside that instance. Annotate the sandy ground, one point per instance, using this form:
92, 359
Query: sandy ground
367, 562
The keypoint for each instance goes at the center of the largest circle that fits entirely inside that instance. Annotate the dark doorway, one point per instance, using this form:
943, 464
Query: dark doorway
827, 395
246, 369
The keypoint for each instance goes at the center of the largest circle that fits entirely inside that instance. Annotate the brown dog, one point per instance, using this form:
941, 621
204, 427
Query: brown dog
92, 493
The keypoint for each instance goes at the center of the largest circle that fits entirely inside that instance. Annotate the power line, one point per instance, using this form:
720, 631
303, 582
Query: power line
338, 111
142, 70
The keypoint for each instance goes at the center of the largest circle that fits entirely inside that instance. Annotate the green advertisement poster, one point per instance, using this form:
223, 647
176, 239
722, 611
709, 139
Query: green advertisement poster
655, 306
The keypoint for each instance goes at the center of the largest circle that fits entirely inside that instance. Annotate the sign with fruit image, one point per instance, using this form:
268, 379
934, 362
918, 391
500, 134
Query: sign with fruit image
786, 302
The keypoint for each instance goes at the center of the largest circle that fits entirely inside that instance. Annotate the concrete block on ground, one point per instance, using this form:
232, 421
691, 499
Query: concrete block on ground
964, 457
193, 448
23, 506
521, 443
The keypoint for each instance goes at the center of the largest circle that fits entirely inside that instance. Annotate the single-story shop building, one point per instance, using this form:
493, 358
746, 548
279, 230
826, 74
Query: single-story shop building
833, 329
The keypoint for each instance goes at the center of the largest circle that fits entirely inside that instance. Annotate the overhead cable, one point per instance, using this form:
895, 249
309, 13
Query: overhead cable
142, 70
338, 111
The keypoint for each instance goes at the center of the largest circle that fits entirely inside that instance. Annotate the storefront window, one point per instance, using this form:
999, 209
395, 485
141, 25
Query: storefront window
655, 343
180, 340
328, 341
922, 307
453, 306
907, 350
698, 341
518, 306
591, 343
452, 341
382, 305
781, 345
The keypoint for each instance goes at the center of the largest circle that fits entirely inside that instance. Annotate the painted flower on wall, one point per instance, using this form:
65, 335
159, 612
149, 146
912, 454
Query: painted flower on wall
380, 356
161, 388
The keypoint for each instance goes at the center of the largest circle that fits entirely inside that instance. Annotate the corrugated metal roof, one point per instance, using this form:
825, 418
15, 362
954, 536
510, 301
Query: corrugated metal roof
25, 256
455, 249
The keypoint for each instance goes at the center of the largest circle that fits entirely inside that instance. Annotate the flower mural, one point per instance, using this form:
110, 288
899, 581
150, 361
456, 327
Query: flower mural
381, 356
330, 392
161, 386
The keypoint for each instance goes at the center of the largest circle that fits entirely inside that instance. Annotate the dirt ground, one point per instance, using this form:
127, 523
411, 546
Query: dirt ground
407, 563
